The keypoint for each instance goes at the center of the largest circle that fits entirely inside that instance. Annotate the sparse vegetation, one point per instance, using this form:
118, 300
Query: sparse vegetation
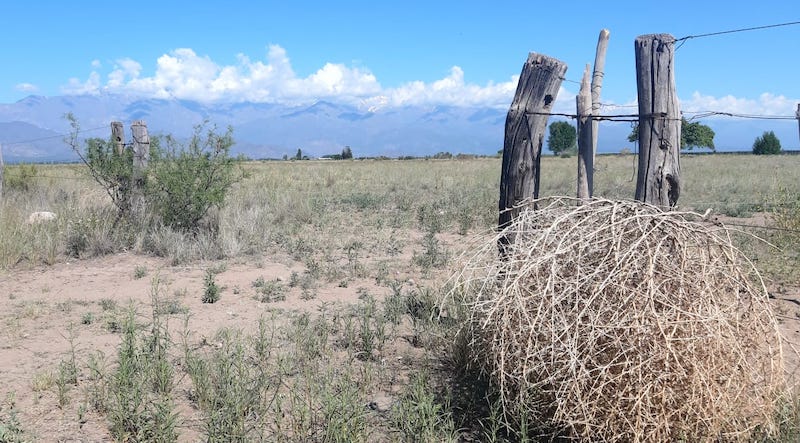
11, 431
345, 264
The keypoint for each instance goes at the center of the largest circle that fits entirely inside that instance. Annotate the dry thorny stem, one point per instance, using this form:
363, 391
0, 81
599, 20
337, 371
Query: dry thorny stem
614, 320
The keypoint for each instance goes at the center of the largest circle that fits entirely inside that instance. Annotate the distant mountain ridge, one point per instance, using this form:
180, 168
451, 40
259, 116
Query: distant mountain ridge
261, 130
32, 129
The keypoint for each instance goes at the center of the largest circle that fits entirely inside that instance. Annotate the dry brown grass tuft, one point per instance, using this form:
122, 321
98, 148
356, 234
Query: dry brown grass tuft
615, 321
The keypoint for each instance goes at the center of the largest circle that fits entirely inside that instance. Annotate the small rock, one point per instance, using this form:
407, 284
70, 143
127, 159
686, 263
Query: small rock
381, 403
41, 217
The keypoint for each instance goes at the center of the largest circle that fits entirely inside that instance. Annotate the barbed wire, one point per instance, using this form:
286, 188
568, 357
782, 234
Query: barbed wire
732, 31
50, 137
683, 40
662, 116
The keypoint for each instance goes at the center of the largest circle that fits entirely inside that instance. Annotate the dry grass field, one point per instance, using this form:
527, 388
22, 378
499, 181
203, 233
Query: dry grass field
308, 307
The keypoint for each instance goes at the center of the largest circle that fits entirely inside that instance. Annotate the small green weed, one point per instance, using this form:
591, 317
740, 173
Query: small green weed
433, 254
140, 405
11, 430
139, 272
420, 417
211, 294
269, 291
108, 304
87, 318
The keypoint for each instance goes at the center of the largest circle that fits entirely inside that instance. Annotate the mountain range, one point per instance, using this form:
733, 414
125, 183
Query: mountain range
33, 129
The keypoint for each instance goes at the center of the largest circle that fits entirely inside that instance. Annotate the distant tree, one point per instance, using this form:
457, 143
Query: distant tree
285, 157
299, 155
693, 135
767, 144
696, 135
347, 153
442, 155
563, 138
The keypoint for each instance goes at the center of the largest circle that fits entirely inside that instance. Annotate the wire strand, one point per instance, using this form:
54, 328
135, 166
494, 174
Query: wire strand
50, 137
754, 28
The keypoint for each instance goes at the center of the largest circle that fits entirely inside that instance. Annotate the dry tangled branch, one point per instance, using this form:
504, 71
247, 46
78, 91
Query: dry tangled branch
615, 321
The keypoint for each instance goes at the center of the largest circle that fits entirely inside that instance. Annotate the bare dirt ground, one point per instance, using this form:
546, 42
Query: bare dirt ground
46, 312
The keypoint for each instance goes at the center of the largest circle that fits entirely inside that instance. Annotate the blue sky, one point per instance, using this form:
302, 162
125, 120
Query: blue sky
389, 53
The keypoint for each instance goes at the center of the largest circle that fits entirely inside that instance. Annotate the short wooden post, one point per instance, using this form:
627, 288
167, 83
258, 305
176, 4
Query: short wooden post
525, 124
597, 83
141, 156
658, 180
585, 138
118, 136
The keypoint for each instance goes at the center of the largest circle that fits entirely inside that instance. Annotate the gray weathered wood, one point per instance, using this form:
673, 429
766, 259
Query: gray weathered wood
597, 82
141, 146
524, 134
798, 118
141, 156
118, 136
658, 180
585, 138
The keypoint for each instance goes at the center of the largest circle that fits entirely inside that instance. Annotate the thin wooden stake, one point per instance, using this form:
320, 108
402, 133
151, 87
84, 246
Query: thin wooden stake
597, 83
525, 124
585, 137
658, 180
798, 118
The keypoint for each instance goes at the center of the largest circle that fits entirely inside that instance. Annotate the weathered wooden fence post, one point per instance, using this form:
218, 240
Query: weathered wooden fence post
597, 82
797, 114
525, 124
585, 139
141, 156
118, 136
658, 180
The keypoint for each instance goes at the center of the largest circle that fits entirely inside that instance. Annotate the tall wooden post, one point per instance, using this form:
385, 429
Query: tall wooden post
525, 124
118, 136
658, 180
585, 139
141, 156
597, 83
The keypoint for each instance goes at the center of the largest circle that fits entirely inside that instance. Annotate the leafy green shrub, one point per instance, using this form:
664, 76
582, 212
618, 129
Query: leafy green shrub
110, 168
188, 180
183, 182
767, 144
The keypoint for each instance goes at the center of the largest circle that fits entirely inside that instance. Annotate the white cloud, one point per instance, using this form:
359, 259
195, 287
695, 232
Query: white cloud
27, 87
765, 104
453, 90
91, 86
184, 74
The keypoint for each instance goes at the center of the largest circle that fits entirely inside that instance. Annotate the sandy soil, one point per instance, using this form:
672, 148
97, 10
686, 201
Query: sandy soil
43, 311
